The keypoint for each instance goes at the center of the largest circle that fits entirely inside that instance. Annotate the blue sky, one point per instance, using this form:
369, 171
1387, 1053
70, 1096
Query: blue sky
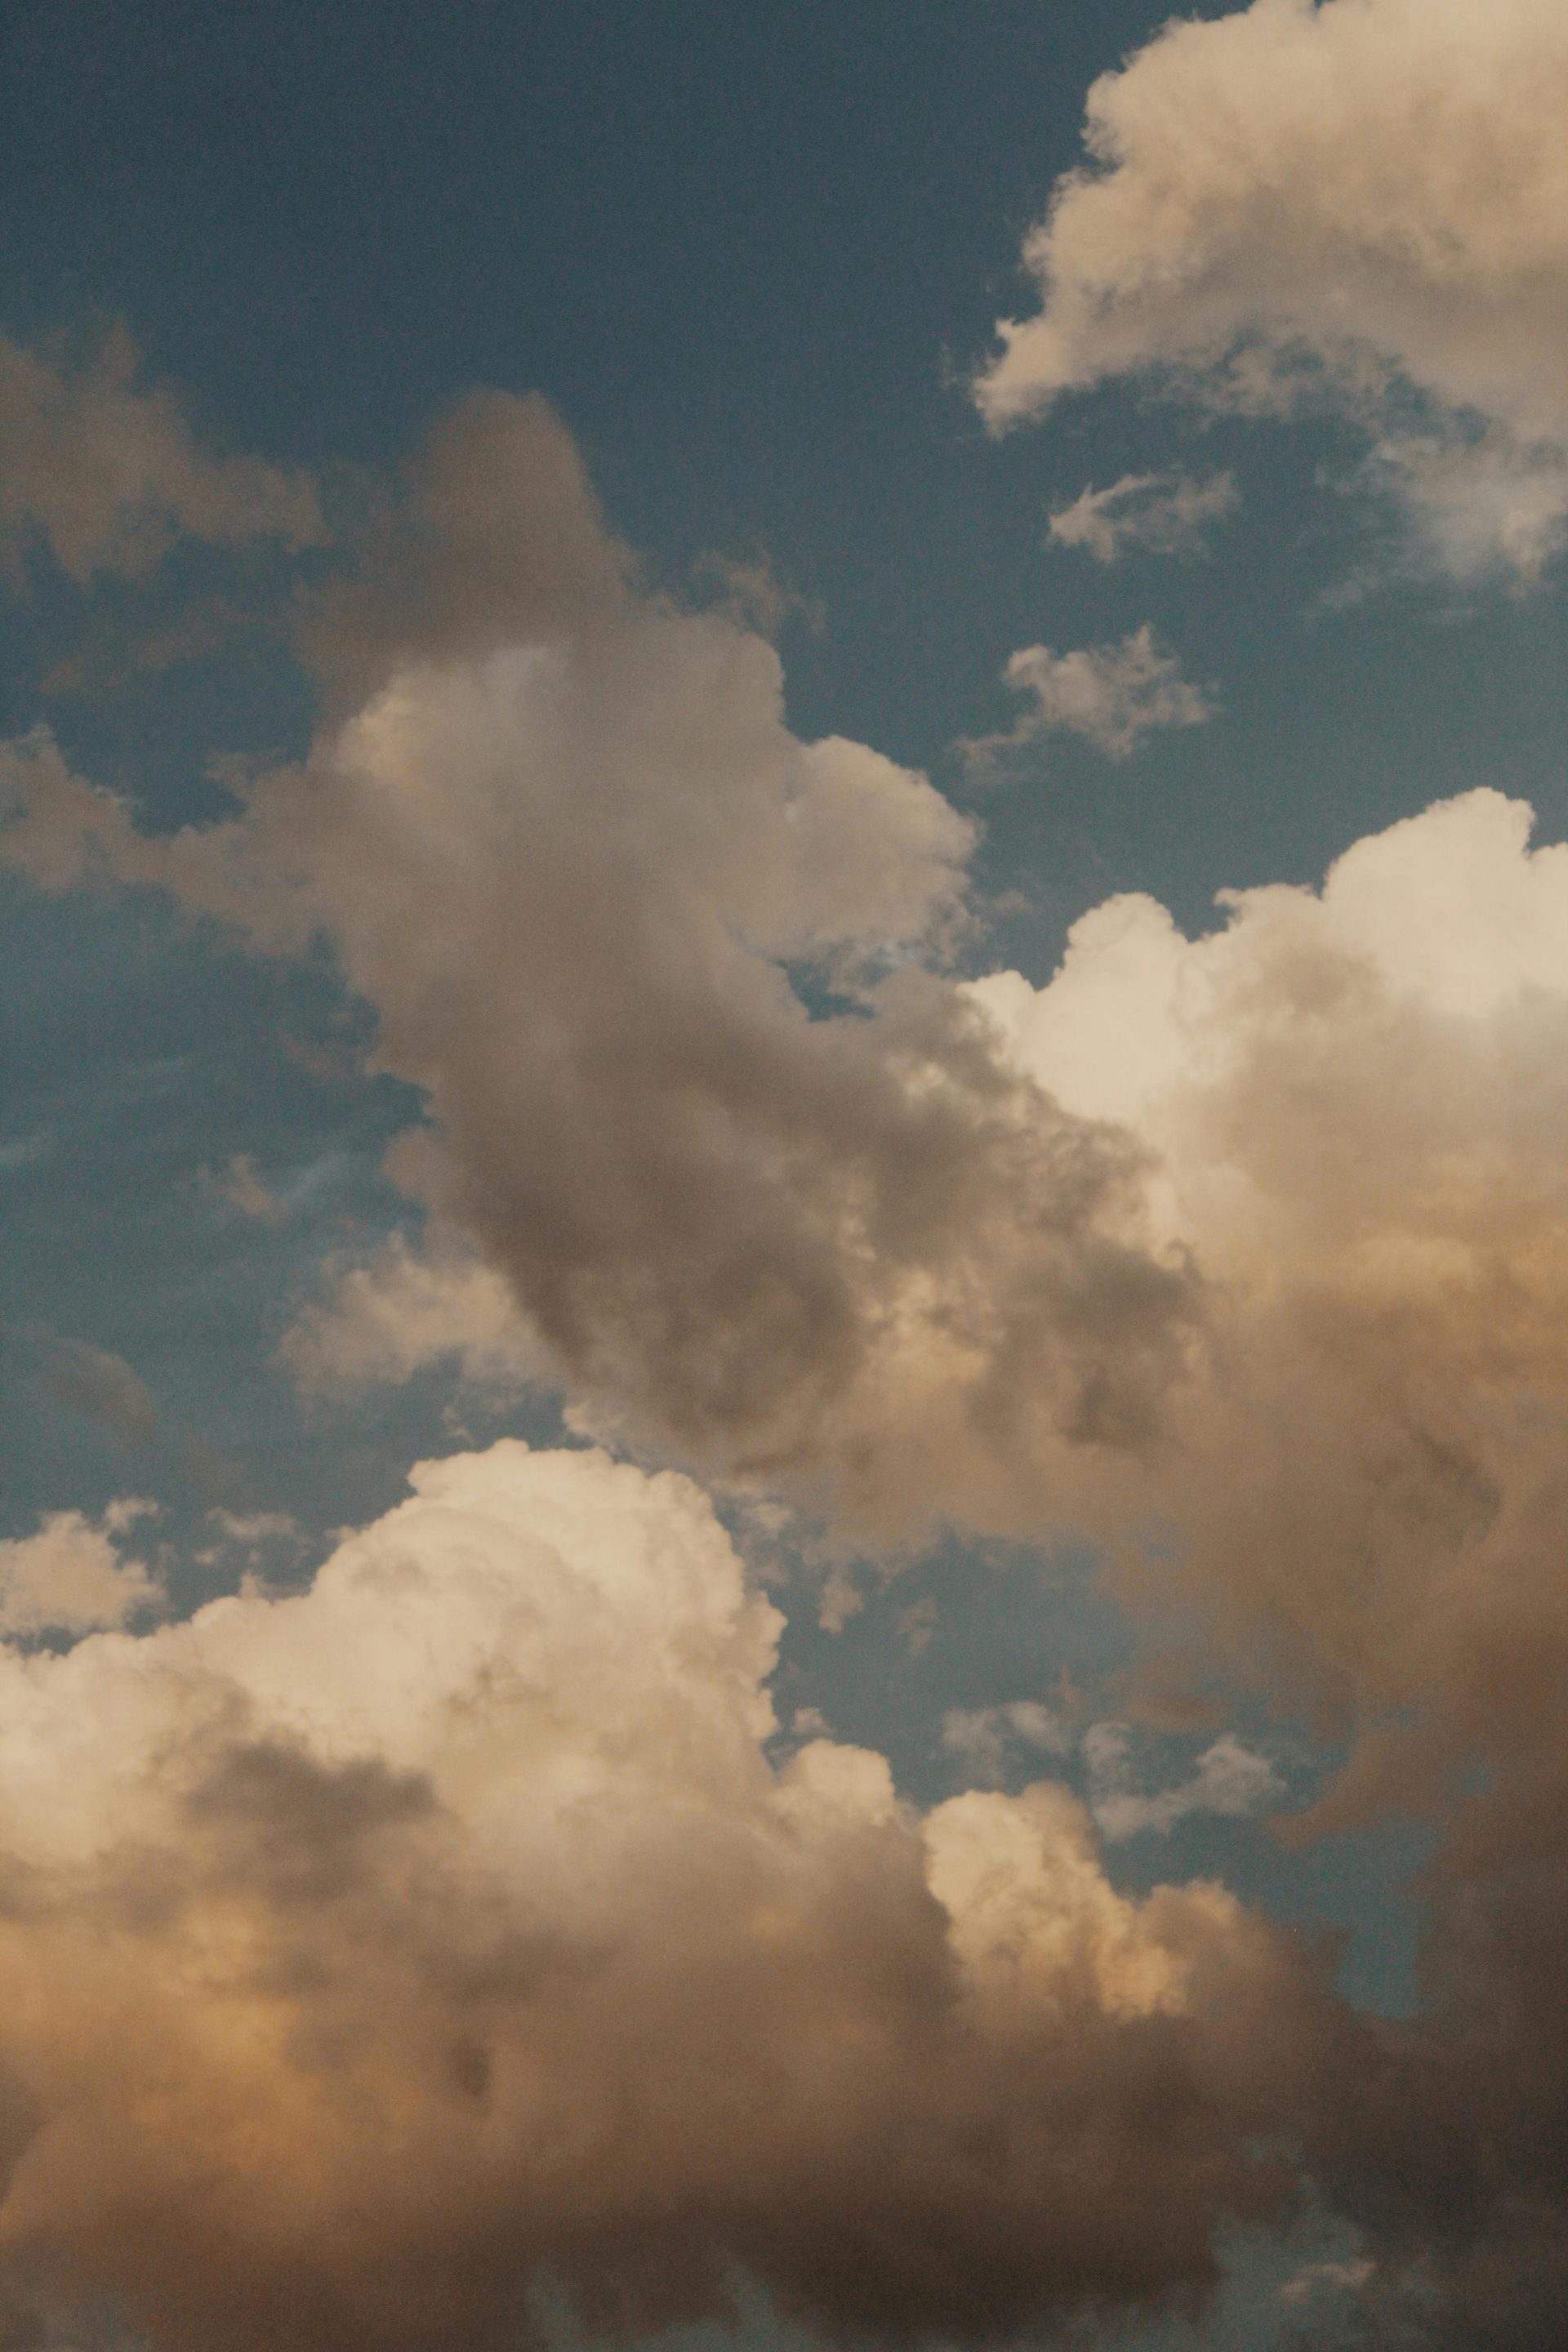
755, 260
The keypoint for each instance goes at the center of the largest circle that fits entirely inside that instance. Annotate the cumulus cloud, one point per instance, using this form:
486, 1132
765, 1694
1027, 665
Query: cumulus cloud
1354, 1102
1246, 1255
1164, 514
562, 840
1364, 200
71, 1577
1350, 1104
105, 471
1114, 696
376, 1956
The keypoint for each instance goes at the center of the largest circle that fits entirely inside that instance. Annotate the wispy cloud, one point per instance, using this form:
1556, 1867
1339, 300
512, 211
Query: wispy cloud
986, 1739
1160, 514
1229, 1779
95, 1382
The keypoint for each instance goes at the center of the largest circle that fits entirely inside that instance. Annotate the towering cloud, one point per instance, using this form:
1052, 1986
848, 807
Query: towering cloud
379, 1961
454, 1910
559, 836
1358, 1106
1362, 200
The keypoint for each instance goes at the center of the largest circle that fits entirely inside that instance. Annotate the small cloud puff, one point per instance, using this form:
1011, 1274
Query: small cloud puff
1343, 2278
105, 472
240, 1186
1112, 696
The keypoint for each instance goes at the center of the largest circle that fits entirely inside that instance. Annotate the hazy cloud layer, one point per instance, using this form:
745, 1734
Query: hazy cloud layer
102, 1385
409, 1307
1365, 200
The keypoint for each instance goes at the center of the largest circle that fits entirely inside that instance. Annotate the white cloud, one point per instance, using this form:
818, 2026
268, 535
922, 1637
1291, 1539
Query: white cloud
1364, 200
1229, 1779
71, 1576
1164, 514
1356, 1118
986, 1739
1114, 696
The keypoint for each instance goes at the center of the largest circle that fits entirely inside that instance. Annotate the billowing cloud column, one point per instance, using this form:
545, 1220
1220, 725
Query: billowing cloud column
560, 838
374, 1960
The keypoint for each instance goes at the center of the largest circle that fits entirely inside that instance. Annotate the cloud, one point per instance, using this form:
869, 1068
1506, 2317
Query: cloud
1114, 696
107, 474
1230, 1780
70, 1578
1340, 2278
248, 1538
1355, 1106
241, 1186
102, 1385
1166, 514
376, 1956
569, 851
985, 1738
409, 1307
1364, 201
1246, 1256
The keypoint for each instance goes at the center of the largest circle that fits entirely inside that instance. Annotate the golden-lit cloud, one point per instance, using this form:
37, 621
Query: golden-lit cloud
379, 1960
447, 1929
1364, 200
570, 852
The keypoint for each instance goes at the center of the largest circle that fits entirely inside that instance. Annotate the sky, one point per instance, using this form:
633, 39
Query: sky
783, 852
